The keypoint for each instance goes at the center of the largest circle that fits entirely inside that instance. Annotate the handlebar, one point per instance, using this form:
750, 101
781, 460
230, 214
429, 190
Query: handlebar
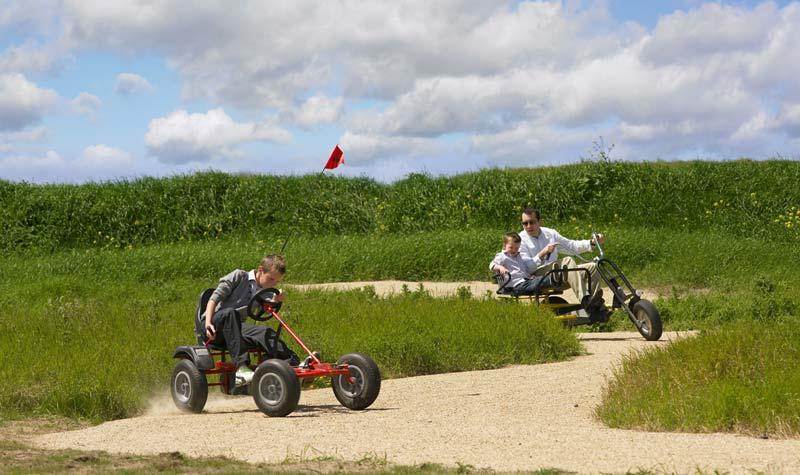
597, 243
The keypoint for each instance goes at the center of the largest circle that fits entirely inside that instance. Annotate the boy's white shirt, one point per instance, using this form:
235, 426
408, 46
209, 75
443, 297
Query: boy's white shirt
520, 267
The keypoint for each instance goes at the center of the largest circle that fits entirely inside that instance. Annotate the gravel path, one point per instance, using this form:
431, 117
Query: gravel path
514, 418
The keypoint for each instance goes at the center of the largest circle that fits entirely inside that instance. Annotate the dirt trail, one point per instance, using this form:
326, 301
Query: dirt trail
514, 418
445, 289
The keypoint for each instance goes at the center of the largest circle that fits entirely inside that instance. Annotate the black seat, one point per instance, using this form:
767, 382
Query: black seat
200, 316
200, 323
504, 289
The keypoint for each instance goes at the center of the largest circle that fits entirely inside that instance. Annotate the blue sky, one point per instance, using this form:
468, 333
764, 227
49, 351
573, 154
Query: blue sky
94, 90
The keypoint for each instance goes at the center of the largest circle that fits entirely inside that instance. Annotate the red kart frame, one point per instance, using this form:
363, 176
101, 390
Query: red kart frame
316, 367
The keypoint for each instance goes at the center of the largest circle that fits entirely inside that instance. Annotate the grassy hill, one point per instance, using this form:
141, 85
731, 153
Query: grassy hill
757, 199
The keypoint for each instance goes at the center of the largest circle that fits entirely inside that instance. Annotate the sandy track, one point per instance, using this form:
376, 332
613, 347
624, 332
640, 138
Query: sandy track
446, 289
514, 418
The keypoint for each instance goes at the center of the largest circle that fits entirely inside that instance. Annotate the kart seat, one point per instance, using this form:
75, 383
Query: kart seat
200, 317
200, 323
505, 290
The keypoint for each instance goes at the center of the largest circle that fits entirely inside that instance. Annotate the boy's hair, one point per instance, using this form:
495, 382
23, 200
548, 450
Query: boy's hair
273, 262
511, 237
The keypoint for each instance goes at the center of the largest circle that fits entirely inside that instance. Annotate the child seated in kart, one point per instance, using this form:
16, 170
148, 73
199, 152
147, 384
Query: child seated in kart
223, 323
519, 267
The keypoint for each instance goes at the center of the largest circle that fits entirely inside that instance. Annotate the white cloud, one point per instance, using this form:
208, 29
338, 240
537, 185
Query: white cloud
29, 135
319, 109
103, 156
30, 16
789, 120
517, 79
22, 102
86, 104
363, 148
182, 137
31, 58
129, 83
33, 168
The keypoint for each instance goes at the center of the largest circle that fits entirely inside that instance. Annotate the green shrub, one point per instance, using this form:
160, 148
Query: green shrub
747, 198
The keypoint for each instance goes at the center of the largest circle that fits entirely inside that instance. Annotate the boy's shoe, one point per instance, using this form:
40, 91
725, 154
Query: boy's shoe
307, 362
244, 375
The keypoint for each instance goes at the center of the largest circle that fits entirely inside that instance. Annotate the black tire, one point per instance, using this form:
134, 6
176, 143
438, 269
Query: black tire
189, 387
275, 388
650, 326
363, 392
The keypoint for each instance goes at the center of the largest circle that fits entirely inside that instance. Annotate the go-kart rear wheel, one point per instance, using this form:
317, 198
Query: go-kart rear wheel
648, 320
275, 388
363, 390
189, 387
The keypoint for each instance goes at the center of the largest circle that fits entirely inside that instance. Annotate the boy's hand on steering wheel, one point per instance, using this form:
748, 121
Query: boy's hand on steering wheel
210, 330
501, 269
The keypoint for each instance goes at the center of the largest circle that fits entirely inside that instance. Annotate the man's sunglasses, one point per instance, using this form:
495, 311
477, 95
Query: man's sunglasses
525, 223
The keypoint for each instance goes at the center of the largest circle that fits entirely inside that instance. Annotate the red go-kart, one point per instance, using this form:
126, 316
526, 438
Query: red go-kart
276, 385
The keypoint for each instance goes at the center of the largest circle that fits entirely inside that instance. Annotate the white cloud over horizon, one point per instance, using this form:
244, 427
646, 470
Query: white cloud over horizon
182, 137
503, 83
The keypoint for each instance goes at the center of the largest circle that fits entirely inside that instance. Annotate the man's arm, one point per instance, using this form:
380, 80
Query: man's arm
526, 251
570, 246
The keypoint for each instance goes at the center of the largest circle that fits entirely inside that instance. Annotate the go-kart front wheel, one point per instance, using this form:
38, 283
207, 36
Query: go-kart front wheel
648, 320
362, 391
189, 387
275, 388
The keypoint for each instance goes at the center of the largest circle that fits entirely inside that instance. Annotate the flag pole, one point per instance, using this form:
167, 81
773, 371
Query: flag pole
336, 159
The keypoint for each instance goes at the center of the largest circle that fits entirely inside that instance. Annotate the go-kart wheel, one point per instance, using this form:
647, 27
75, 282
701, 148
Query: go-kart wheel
275, 388
255, 307
189, 387
366, 385
648, 320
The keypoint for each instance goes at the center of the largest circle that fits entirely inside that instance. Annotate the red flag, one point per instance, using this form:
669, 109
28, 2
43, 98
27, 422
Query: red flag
337, 158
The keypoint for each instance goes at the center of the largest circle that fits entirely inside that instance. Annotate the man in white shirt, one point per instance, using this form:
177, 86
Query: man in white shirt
543, 246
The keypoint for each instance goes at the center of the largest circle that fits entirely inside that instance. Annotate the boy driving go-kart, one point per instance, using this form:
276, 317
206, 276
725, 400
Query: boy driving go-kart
223, 323
275, 383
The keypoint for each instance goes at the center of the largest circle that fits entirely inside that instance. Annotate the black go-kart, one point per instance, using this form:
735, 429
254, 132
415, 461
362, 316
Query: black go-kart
641, 312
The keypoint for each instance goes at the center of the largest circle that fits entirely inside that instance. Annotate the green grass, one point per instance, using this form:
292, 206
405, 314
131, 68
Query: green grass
81, 321
741, 377
651, 257
747, 198
99, 351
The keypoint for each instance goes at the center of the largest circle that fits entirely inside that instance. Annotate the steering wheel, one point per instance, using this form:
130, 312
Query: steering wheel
268, 296
502, 282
